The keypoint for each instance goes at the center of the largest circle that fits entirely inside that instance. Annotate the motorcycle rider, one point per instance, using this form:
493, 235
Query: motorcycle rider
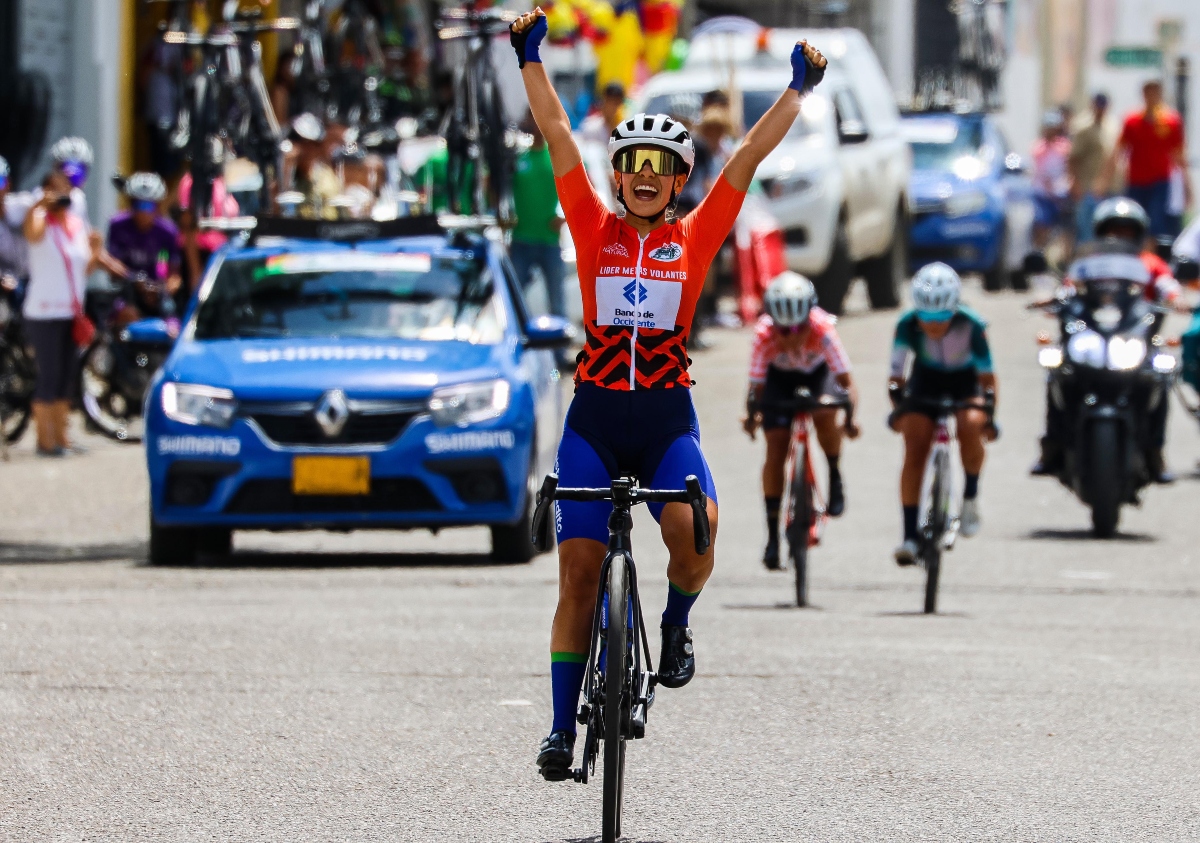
948, 346
1120, 224
145, 248
796, 345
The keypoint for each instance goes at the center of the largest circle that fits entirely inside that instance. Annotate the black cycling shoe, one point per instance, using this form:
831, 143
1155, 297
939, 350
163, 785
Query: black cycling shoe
555, 757
771, 555
677, 663
837, 497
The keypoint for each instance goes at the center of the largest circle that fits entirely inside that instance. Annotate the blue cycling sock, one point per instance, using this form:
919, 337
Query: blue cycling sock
679, 603
566, 679
910, 522
971, 489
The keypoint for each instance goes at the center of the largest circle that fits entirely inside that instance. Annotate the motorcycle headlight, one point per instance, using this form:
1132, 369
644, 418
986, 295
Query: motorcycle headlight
966, 203
191, 403
1050, 358
1164, 364
469, 403
1125, 353
1087, 349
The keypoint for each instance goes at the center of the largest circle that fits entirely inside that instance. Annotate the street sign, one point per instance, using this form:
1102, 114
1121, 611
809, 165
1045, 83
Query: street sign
1133, 57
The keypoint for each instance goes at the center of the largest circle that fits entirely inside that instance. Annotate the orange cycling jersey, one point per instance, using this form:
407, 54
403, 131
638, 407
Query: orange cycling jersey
639, 294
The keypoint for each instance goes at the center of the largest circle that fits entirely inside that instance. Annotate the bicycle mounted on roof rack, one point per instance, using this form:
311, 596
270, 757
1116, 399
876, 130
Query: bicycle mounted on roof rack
348, 230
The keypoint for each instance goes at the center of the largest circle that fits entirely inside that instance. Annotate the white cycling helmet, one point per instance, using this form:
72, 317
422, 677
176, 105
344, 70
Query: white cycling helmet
72, 149
789, 299
657, 130
145, 187
936, 288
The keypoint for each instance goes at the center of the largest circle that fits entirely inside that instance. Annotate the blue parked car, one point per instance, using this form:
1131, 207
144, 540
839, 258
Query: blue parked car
971, 201
353, 375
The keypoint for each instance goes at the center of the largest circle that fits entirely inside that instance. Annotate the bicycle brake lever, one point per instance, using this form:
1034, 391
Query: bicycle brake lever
699, 502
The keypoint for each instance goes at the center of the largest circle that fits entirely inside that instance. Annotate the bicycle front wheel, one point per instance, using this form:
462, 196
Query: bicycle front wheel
616, 668
799, 523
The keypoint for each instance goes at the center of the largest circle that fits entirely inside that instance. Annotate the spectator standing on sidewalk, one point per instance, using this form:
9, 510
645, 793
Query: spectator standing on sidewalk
1051, 185
1089, 151
597, 128
1152, 141
63, 251
535, 239
14, 252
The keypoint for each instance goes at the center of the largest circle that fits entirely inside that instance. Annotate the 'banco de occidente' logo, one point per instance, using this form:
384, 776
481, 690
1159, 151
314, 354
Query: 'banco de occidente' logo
635, 293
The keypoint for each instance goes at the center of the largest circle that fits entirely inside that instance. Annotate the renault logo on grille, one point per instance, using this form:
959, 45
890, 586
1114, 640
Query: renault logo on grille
332, 412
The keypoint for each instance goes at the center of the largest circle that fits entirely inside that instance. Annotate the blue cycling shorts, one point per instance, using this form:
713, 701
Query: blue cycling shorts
651, 434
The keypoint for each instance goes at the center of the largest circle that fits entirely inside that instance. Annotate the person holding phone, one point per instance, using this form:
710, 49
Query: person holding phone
63, 251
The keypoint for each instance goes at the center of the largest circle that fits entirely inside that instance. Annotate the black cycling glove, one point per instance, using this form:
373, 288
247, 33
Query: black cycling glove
526, 43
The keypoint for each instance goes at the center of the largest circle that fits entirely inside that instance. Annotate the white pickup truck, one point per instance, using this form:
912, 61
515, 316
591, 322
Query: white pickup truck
837, 184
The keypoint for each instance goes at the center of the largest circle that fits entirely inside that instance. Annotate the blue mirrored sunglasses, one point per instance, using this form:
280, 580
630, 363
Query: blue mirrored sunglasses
147, 205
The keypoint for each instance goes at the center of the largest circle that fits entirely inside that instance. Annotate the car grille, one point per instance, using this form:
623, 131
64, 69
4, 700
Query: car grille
369, 422
388, 494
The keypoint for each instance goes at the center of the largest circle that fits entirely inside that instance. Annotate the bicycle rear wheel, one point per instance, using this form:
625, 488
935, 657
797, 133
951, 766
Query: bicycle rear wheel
616, 669
799, 523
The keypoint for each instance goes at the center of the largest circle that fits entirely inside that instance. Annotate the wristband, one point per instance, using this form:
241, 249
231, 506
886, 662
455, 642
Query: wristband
805, 74
526, 43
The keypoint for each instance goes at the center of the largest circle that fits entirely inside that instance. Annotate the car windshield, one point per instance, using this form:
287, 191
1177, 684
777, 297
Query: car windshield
938, 144
351, 294
686, 106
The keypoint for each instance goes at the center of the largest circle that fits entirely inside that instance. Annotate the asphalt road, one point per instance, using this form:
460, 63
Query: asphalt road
394, 686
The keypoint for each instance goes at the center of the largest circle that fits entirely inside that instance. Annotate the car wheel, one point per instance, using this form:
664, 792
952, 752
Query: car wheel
514, 542
994, 279
833, 284
172, 545
886, 274
214, 541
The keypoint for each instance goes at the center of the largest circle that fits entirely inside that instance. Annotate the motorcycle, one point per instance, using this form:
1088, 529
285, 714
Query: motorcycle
17, 368
1109, 379
117, 367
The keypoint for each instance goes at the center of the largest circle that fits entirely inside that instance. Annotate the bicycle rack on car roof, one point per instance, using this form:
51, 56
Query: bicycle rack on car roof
351, 230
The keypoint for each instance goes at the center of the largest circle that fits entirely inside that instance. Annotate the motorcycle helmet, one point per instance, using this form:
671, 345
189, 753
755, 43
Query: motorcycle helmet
936, 290
145, 187
1120, 210
789, 299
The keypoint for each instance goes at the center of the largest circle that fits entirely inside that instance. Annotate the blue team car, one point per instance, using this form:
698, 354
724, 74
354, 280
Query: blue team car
348, 376
971, 202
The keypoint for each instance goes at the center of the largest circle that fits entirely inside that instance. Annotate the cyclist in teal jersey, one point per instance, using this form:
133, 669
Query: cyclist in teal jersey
946, 345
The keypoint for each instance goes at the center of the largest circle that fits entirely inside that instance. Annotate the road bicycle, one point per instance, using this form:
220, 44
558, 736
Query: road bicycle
475, 127
804, 509
941, 501
619, 680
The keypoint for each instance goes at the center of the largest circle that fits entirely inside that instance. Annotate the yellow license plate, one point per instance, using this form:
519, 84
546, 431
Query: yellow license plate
331, 475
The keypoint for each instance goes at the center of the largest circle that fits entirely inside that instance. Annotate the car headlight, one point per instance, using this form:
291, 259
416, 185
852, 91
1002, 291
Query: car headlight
792, 184
1125, 353
966, 203
469, 403
191, 403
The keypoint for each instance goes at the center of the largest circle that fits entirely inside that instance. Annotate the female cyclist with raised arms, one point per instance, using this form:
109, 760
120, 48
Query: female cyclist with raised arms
641, 272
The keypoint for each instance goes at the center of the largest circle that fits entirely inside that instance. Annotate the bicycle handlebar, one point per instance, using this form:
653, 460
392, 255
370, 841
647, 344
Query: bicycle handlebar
623, 493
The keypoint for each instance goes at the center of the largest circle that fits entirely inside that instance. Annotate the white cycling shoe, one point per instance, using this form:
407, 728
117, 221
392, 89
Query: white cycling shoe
969, 520
906, 553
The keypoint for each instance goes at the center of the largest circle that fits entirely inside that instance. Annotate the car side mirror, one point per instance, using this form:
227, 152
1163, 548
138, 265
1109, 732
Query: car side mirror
548, 332
1014, 164
1187, 271
852, 131
151, 332
1035, 264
